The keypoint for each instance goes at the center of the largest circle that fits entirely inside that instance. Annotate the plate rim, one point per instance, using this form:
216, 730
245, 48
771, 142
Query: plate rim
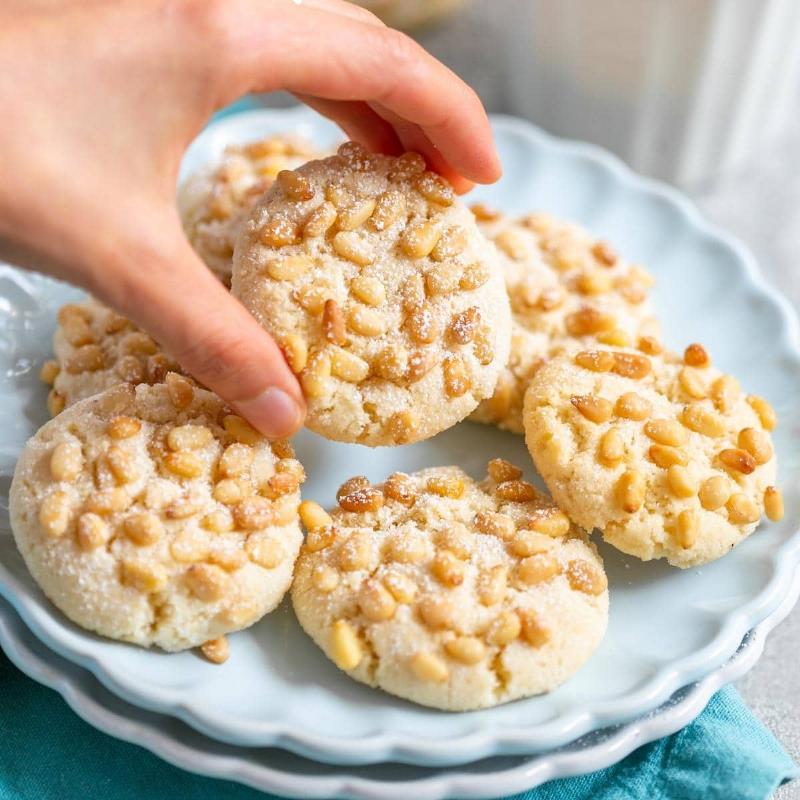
476, 743
86, 700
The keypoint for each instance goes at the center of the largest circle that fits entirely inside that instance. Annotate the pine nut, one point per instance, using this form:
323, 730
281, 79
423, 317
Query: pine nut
319, 220
419, 238
584, 576
434, 188
703, 420
587, 321
447, 568
123, 427
333, 328
773, 503
49, 372
362, 500
254, 513
352, 247
494, 524
468, 650
217, 651
492, 585
368, 290
756, 443
325, 578
366, 321
457, 380
184, 464
446, 486
55, 402
693, 383
505, 629
375, 601
538, 568
665, 456
632, 406
650, 345
714, 493
402, 588
738, 460
631, 365
346, 650
764, 410
66, 461
742, 510
180, 390
450, 245
687, 529
681, 482
348, 366
666, 431
288, 268
92, 532
438, 613
264, 551
54, 514
595, 409
612, 448
630, 491
473, 277
516, 491
88, 358
595, 360
429, 668
314, 516
141, 577
725, 391
695, 355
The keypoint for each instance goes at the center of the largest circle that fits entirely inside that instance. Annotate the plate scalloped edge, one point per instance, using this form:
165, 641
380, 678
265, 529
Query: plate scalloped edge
476, 744
87, 703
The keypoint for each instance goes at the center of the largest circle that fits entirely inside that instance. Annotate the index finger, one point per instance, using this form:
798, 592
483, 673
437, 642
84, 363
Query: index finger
336, 57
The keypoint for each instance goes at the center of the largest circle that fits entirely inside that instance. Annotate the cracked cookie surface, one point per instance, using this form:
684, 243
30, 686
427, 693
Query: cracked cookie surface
666, 456
568, 291
95, 348
447, 592
155, 516
386, 299
214, 202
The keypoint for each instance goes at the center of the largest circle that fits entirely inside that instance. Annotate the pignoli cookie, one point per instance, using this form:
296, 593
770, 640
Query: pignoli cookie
386, 299
214, 202
155, 516
666, 456
568, 291
96, 348
452, 594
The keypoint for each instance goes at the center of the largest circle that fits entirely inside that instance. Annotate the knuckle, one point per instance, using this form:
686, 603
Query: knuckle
402, 50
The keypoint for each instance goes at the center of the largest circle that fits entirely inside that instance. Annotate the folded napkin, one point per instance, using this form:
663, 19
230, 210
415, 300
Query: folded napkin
49, 753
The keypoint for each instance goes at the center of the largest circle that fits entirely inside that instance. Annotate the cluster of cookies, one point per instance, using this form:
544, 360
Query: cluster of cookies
149, 512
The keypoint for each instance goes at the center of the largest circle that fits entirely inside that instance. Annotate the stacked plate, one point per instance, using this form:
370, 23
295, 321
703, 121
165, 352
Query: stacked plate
278, 715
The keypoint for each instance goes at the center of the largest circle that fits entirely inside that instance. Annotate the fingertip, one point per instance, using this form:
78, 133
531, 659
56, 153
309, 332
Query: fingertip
274, 412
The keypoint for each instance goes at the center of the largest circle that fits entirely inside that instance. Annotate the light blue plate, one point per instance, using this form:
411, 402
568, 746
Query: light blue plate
668, 627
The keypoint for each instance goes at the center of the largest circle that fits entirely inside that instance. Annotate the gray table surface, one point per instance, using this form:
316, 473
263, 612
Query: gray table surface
762, 207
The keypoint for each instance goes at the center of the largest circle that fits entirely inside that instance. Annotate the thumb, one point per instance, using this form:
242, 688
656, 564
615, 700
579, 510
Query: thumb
178, 301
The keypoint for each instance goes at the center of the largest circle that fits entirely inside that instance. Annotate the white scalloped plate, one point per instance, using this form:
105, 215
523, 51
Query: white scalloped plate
668, 627
293, 776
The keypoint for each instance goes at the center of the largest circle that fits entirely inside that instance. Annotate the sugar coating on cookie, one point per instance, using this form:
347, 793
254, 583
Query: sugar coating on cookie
450, 593
386, 299
568, 291
666, 456
96, 348
155, 516
215, 201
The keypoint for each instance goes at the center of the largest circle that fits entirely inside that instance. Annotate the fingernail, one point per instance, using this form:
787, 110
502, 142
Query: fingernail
273, 412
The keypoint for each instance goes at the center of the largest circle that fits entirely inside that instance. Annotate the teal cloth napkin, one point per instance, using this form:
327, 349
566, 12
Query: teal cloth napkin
48, 753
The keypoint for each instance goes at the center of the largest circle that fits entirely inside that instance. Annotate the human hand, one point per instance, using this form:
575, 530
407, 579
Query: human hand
103, 99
